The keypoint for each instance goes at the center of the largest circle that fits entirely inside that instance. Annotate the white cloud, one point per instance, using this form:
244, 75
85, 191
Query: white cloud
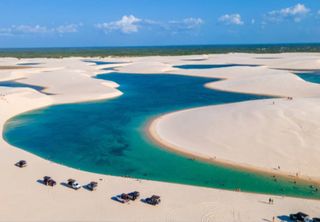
71, 28
296, 13
127, 24
187, 26
231, 19
29, 29
24, 29
38, 29
5, 32
187, 23
131, 24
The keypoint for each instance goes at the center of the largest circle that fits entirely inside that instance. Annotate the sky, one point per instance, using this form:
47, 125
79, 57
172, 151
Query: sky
95, 23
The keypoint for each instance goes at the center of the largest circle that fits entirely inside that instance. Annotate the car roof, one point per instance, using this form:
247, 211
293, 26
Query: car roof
302, 214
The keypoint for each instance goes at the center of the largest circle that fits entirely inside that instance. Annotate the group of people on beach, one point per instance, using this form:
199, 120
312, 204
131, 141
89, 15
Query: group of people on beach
288, 98
271, 201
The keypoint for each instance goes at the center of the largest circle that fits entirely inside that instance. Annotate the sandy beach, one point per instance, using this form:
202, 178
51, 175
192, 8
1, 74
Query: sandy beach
278, 135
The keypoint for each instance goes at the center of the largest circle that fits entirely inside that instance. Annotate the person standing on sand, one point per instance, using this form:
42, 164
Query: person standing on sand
270, 200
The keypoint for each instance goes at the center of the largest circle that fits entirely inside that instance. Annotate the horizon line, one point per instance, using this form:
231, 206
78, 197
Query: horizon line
163, 46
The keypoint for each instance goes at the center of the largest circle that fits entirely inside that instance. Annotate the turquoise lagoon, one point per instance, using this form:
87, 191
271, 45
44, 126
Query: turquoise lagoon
313, 77
14, 84
108, 136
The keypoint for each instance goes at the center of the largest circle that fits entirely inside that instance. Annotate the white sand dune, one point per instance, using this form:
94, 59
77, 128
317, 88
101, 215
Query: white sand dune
263, 134
292, 125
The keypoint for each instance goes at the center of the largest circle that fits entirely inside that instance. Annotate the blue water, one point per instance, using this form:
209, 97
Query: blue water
313, 77
111, 68
28, 64
210, 66
102, 62
108, 137
15, 84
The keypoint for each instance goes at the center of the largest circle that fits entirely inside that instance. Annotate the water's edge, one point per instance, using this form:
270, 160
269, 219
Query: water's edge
147, 178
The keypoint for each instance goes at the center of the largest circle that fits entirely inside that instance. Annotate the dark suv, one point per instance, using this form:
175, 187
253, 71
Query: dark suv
299, 217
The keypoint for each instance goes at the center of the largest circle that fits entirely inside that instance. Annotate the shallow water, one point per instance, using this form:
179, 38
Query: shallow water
29, 64
15, 84
313, 77
210, 66
108, 136
102, 62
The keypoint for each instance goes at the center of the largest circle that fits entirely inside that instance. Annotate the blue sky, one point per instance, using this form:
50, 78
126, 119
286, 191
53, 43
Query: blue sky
61, 23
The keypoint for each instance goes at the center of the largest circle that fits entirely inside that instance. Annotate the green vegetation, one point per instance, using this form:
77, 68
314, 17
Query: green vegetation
155, 50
